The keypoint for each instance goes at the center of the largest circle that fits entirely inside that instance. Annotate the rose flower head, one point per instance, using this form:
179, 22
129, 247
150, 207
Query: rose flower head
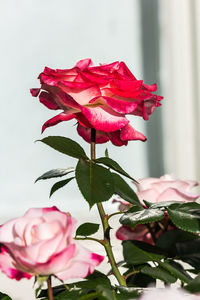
41, 243
166, 188
98, 97
154, 190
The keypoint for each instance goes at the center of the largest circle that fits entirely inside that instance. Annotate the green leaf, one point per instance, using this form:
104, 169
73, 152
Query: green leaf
124, 190
159, 273
189, 252
140, 280
91, 296
65, 146
4, 297
142, 217
135, 255
69, 295
113, 165
80, 288
106, 153
169, 240
59, 185
194, 285
95, 182
164, 204
174, 271
147, 203
127, 293
106, 293
55, 173
185, 216
87, 229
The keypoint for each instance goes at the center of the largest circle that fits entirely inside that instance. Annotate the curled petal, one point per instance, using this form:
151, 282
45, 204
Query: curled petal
35, 92
57, 119
128, 133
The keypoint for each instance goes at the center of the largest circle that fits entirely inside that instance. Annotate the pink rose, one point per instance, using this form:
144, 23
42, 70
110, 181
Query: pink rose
139, 233
41, 243
97, 97
166, 188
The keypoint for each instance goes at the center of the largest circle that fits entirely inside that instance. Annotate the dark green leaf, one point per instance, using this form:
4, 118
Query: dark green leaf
113, 165
87, 229
194, 285
59, 185
65, 146
92, 296
55, 173
142, 217
89, 284
174, 271
95, 182
140, 280
127, 293
169, 239
4, 297
70, 295
159, 273
147, 203
189, 252
185, 216
164, 204
106, 293
135, 255
124, 190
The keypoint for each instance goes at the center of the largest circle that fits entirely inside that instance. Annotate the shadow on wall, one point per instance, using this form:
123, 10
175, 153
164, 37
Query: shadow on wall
149, 14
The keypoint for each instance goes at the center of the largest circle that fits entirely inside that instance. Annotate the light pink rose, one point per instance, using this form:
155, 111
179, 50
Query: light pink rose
98, 97
41, 243
166, 188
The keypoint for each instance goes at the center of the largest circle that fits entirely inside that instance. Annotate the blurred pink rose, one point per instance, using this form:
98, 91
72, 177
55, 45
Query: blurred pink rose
139, 233
168, 293
41, 243
97, 97
166, 188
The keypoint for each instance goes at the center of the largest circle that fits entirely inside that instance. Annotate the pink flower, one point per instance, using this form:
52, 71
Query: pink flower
166, 188
140, 233
97, 97
41, 243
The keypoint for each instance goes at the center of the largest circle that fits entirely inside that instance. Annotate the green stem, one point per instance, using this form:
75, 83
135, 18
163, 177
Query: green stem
104, 219
50, 291
89, 239
116, 213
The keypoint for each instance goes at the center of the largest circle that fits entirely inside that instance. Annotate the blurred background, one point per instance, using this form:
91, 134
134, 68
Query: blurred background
159, 40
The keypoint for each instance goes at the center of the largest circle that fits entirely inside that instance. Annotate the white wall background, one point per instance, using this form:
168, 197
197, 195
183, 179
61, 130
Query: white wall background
35, 34
180, 69
38, 33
